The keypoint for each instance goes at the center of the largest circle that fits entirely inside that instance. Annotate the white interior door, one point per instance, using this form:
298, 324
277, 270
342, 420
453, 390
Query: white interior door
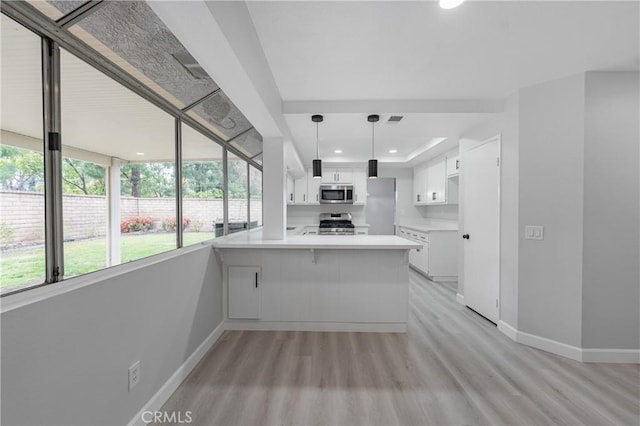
482, 226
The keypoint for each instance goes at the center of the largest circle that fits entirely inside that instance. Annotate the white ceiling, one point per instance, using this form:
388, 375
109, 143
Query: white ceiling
402, 51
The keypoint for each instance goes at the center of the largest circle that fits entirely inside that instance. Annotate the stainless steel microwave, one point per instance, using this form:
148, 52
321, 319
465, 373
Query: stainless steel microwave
336, 194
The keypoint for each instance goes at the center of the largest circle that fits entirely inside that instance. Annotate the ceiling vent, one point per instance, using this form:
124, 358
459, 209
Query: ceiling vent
394, 119
189, 62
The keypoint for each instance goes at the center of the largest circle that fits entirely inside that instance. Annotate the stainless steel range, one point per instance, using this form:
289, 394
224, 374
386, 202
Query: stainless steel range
336, 224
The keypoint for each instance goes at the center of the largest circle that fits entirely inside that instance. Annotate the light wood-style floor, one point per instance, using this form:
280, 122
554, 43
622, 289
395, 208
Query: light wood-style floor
452, 368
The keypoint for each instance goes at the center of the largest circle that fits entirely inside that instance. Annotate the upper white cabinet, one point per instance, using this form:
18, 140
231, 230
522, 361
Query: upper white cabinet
453, 164
436, 182
420, 185
290, 189
313, 188
337, 175
300, 190
359, 186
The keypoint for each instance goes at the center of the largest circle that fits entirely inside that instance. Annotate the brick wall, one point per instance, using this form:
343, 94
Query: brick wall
85, 216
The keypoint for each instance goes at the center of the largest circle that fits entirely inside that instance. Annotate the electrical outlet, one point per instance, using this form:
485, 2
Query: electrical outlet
532, 232
134, 375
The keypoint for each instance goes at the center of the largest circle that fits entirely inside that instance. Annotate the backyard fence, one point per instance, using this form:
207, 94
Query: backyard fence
85, 216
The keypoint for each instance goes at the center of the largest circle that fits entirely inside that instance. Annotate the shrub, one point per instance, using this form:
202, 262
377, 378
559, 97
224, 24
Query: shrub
136, 224
170, 224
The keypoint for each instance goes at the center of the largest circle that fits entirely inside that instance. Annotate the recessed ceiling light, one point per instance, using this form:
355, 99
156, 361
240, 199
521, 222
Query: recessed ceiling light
393, 151
338, 151
450, 4
139, 153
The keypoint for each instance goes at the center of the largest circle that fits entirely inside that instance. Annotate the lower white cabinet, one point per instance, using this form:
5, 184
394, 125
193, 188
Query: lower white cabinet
244, 292
438, 257
361, 230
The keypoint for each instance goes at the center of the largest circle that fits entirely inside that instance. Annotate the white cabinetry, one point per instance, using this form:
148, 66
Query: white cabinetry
244, 292
290, 190
432, 183
337, 175
420, 185
313, 188
453, 164
361, 230
438, 258
300, 190
360, 186
437, 182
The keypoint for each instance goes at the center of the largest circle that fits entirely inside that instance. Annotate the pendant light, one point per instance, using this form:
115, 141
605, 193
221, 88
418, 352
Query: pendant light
373, 163
317, 163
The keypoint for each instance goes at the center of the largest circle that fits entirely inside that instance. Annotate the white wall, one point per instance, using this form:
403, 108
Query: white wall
65, 359
611, 279
551, 194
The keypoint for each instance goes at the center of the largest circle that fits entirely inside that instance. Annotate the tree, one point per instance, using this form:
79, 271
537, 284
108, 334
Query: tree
21, 169
148, 180
83, 177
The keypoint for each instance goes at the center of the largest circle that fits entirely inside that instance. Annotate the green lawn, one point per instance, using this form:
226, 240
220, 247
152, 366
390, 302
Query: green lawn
26, 266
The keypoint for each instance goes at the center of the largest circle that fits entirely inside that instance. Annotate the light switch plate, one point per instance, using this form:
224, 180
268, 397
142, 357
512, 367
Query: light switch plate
534, 232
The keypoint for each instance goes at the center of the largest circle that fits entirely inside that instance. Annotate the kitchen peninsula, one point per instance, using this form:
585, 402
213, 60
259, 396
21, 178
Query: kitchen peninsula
315, 283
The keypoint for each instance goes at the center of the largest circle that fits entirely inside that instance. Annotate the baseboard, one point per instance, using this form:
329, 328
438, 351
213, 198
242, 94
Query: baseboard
626, 356
315, 326
620, 356
460, 299
507, 329
162, 395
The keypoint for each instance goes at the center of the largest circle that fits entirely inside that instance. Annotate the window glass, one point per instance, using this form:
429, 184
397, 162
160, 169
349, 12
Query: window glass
238, 194
22, 233
132, 36
119, 152
255, 185
202, 187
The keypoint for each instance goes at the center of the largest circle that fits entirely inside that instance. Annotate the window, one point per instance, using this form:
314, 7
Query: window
117, 169
255, 202
22, 231
238, 194
202, 187
118, 152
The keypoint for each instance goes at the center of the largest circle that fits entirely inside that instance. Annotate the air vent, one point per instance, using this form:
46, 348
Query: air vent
189, 62
394, 119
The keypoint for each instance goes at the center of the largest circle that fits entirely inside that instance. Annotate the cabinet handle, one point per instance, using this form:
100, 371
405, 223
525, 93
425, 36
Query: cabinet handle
418, 197
316, 197
304, 197
291, 197
256, 280
457, 164
433, 195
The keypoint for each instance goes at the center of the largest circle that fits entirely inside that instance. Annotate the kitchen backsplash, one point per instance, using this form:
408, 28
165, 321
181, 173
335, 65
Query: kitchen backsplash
307, 215
446, 212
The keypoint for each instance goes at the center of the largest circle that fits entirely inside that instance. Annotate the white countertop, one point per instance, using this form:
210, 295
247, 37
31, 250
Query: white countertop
430, 227
337, 242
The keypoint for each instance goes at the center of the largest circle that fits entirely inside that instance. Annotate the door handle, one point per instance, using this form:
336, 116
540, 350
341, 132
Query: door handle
256, 280
465, 236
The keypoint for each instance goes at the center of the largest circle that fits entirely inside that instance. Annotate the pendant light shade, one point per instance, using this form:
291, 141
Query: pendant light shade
317, 163
373, 163
373, 169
